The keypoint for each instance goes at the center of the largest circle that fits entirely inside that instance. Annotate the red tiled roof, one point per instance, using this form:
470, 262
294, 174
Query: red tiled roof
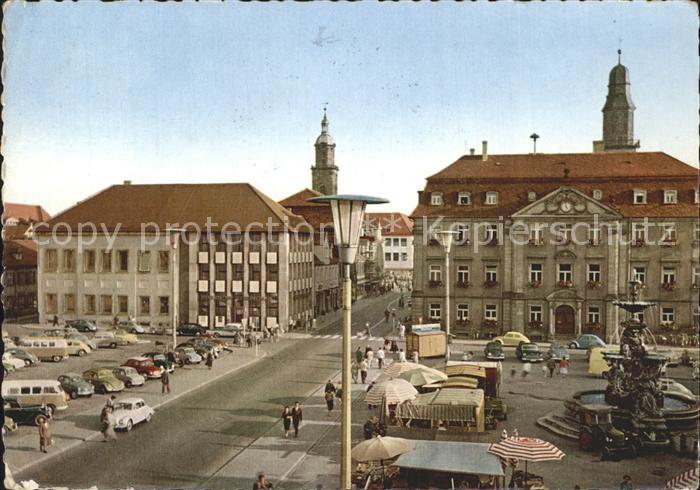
300, 199
129, 207
513, 176
317, 214
24, 212
19, 253
392, 224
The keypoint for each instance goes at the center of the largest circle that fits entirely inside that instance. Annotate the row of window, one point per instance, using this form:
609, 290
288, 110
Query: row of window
395, 257
491, 197
106, 305
109, 261
20, 278
396, 242
594, 274
593, 313
19, 301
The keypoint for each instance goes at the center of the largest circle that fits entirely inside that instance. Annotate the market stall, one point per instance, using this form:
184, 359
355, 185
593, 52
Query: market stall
453, 409
446, 464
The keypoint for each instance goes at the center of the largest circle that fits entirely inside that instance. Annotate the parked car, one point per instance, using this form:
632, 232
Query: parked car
129, 376
200, 349
586, 341
145, 366
77, 348
47, 392
191, 329
214, 347
188, 355
8, 358
160, 360
132, 327
82, 325
511, 339
230, 330
494, 351
557, 352
131, 411
107, 339
83, 338
75, 385
28, 358
103, 380
125, 336
668, 385
8, 367
529, 352
25, 414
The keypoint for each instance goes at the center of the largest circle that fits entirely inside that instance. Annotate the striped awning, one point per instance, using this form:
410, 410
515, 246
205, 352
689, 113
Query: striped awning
687, 480
452, 405
466, 370
526, 449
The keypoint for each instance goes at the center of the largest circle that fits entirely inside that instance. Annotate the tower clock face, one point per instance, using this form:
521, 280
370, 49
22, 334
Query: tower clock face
566, 206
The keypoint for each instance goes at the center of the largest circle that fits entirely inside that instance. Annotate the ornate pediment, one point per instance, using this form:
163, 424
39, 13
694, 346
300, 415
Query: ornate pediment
566, 201
565, 254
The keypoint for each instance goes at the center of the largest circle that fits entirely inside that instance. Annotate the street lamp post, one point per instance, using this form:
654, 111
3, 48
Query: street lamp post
174, 240
348, 214
445, 238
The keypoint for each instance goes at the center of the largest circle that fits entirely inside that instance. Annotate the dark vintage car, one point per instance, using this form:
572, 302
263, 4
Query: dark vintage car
75, 385
82, 325
494, 351
160, 360
556, 352
529, 352
25, 414
191, 329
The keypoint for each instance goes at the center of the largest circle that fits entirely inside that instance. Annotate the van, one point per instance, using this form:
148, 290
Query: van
77, 347
597, 365
45, 348
36, 392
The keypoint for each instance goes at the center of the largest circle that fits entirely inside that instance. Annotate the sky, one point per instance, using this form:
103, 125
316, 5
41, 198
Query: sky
96, 94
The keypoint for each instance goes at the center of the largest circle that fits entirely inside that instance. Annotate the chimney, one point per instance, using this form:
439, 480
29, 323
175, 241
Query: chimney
484, 150
127, 182
471, 151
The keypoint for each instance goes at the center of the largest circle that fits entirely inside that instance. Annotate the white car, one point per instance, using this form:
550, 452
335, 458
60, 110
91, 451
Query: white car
10, 359
131, 411
669, 385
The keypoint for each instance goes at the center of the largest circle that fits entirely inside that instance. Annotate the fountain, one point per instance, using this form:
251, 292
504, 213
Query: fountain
649, 418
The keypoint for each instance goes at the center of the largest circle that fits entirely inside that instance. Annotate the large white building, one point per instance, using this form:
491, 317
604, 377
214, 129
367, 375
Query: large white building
242, 257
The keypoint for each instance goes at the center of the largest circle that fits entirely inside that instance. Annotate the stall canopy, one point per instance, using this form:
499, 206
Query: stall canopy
451, 405
466, 370
455, 382
451, 457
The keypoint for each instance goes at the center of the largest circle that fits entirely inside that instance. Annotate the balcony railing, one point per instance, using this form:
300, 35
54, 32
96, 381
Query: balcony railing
434, 284
535, 242
463, 284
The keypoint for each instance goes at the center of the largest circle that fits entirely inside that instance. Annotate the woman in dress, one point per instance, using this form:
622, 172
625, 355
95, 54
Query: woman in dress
287, 419
44, 435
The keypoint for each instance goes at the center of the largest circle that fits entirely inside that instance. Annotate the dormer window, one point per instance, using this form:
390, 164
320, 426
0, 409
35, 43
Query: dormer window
436, 198
640, 196
531, 196
670, 197
597, 194
491, 198
464, 199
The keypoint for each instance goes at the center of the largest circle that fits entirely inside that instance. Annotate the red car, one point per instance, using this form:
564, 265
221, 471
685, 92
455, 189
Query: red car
145, 367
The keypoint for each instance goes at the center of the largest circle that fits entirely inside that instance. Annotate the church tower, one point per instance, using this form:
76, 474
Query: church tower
324, 174
618, 112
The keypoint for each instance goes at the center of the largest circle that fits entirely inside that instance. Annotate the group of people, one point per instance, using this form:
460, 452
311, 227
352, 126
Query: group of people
292, 417
330, 394
551, 365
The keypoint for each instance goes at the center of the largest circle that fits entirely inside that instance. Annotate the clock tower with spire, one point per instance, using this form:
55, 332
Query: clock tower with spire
324, 174
618, 112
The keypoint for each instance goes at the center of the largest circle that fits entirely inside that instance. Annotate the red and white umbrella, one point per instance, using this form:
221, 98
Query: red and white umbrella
688, 480
527, 449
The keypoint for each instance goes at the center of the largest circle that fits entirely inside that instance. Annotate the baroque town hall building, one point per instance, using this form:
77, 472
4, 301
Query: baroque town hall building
547, 242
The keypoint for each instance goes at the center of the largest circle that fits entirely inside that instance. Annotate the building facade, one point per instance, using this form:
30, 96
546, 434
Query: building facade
547, 242
230, 255
397, 234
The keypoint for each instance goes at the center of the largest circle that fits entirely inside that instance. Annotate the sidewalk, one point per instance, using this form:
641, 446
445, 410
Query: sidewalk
71, 428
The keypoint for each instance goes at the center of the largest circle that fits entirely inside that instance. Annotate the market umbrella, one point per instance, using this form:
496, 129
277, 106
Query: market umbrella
396, 368
393, 390
420, 377
380, 448
527, 449
689, 479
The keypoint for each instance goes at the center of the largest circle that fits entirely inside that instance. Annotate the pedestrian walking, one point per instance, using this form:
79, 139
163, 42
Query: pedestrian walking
262, 483
249, 339
355, 370
44, 435
402, 330
107, 424
54, 323
287, 419
368, 330
359, 355
544, 371
564, 367
111, 402
364, 367
551, 365
297, 417
386, 315
415, 357
380, 357
402, 356
370, 356
329, 397
329, 387
527, 367
210, 360
165, 382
